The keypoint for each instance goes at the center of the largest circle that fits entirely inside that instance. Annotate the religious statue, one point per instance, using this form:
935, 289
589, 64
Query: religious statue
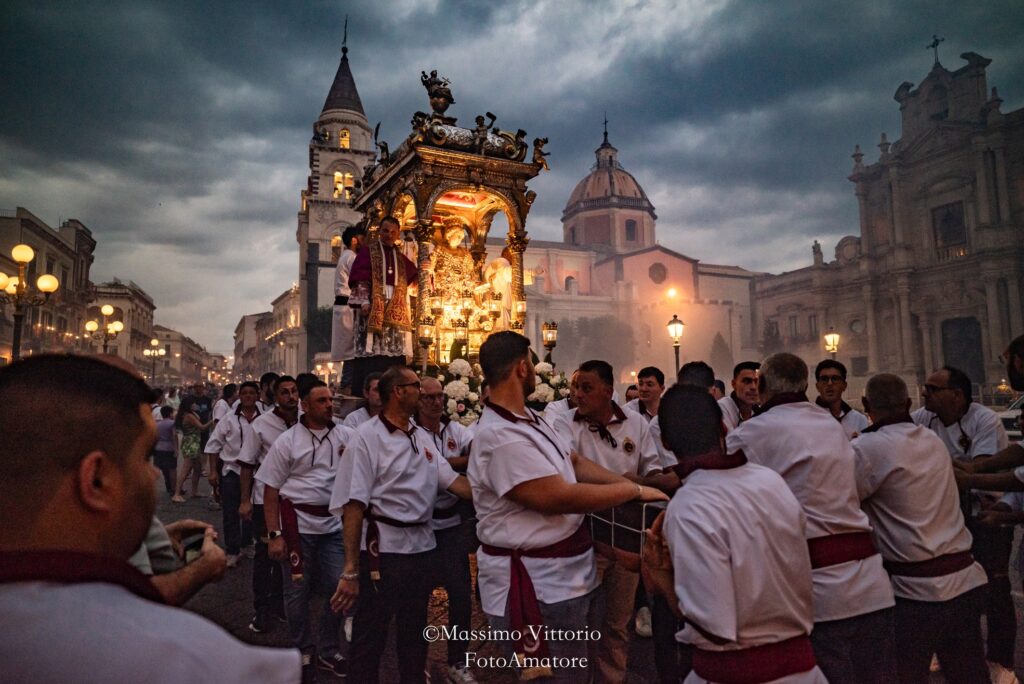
539, 153
452, 266
385, 153
381, 278
481, 131
498, 277
438, 91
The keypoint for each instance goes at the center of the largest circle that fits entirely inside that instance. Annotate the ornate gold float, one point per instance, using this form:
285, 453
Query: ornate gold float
445, 184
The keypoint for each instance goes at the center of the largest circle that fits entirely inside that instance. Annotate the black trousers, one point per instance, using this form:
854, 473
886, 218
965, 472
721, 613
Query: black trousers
267, 593
403, 593
992, 548
451, 571
949, 629
672, 660
858, 649
237, 532
167, 463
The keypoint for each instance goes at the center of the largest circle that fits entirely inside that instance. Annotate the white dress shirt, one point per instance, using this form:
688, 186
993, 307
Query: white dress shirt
452, 441
266, 429
630, 448
228, 439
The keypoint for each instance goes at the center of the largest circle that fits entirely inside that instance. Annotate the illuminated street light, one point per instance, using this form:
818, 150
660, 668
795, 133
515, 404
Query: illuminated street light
832, 342
675, 331
110, 331
153, 352
16, 291
549, 333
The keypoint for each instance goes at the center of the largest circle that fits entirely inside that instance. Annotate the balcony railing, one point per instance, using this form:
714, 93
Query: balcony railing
952, 253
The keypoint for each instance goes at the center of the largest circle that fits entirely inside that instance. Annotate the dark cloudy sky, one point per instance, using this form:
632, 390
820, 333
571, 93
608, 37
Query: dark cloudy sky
178, 131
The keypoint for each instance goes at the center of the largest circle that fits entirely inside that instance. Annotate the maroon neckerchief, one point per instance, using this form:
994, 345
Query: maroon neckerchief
75, 567
716, 459
844, 408
780, 399
879, 424
602, 428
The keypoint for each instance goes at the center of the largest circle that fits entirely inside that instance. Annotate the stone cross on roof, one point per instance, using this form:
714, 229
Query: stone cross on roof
934, 46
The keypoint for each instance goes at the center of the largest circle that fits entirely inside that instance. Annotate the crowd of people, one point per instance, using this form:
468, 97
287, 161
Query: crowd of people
802, 541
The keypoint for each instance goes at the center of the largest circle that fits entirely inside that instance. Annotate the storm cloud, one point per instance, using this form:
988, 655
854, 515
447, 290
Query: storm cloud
178, 132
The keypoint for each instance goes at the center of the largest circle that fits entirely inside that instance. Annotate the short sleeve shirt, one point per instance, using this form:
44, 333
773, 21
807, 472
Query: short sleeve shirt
507, 451
266, 429
625, 447
228, 439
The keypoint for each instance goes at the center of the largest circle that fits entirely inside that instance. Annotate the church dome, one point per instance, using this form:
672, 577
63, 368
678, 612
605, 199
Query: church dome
608, 185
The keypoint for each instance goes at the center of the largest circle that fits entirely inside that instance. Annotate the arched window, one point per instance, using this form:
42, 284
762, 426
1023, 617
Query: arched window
570, 284
344, 139
336, 248
343, 185
630, 230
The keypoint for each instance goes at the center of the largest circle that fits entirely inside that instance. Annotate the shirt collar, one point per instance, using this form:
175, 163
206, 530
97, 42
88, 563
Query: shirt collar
618, 415
284, 419
844, 408
391, 426
305, 423
508, 415
885, 422
782, 398
711, 460
75, 567
238, 412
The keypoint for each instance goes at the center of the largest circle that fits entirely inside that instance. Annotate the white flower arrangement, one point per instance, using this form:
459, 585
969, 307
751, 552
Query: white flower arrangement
551, 385
544, 368
456, 389
460, 368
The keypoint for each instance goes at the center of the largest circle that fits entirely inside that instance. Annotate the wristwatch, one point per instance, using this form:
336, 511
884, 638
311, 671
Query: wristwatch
274, 534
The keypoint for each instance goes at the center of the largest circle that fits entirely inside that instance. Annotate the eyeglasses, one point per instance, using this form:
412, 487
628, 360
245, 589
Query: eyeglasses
932, 389
831, 379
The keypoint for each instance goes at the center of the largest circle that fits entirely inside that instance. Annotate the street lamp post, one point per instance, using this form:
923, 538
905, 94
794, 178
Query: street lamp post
16, 290
675, 331
153, 353
111, 329
832, 342
549, 332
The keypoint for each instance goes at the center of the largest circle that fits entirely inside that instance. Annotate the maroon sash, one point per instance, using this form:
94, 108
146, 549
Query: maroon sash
834, 549
290, 530
524, 609
711, 460
373, 537
75, 567
939, 566
756, 664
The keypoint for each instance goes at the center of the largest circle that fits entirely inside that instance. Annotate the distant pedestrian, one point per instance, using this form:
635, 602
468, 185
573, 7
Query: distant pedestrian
189, 429
165, 450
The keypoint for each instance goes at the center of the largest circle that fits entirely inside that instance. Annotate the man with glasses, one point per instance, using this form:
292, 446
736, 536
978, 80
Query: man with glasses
830, 379
969, 431
451, 522
389, 482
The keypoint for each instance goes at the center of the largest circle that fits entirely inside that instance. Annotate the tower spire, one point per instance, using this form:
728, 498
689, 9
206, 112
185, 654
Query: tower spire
344, 39
343, 93
606, 127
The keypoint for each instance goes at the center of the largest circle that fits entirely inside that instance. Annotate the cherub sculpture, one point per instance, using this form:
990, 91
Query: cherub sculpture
481, 131
539, 153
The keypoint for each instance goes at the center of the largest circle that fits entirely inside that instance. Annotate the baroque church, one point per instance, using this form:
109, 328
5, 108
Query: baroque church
934, 276
608, 284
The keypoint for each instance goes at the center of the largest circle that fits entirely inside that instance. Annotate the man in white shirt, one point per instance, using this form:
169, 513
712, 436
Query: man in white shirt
373, 403
969, 431
386, 489
85, 469
453, 528
223, 450
830, 379
267, 586
530, 490
650, 384
619, 441
741, 402
736, 568
227, 403
267, 383
298, 476
343, 320
853, 599
906, 485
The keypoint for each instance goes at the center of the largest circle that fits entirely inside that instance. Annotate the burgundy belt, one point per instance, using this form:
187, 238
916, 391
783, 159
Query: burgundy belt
939, 566
290, 530
756, 664
834, 549
523, 606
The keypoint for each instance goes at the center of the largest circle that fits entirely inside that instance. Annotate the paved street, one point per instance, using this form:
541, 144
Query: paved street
229, 603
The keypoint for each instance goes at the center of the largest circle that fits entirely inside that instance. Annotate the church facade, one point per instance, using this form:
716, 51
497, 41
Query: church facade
935, 275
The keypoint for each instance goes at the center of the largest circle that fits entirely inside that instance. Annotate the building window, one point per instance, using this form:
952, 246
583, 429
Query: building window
859, 366
572, 235
62, 324
50, 265
336, 248
950, 231
343, 185
812, 325
793, 327
570, 284
344, 139
630, 230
